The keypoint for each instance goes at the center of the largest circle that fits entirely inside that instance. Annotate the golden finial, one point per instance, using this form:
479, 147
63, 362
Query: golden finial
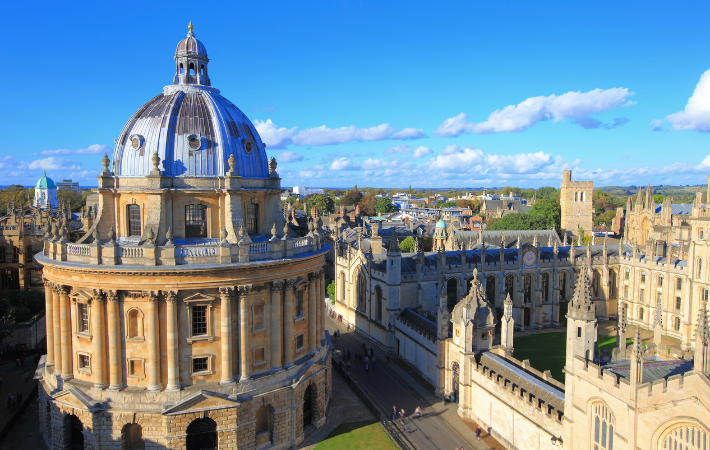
190, 27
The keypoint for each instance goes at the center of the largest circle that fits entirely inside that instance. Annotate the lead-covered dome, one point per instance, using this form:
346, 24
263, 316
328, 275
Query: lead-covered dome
191, 127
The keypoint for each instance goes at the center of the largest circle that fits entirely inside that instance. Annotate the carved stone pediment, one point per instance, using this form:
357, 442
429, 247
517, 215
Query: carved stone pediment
202, 401
199, 298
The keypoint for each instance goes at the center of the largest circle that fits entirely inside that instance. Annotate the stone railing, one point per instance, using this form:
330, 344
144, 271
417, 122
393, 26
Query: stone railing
148, 254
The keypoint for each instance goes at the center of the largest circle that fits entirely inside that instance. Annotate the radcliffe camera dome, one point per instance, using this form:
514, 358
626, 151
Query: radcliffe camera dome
191, 127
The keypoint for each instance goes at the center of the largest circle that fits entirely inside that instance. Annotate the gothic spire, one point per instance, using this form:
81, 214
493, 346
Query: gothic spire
393, 244
582, 307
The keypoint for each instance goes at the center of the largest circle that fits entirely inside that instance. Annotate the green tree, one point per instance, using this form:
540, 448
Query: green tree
409, 191
658, 198
548, 209
526, 221
74, 199
546, 192
15, 193
324, 203
384, 205
352, 198
407, 245
367, 204
605, 218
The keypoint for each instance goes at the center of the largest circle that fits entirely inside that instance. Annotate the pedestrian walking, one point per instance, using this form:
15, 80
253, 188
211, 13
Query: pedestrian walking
367, 369
401, 416
367, 360
394, 412
478, 433
443, 400
26, 376
418, 413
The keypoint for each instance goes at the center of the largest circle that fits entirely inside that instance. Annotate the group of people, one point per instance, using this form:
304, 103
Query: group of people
367, 359
395, 414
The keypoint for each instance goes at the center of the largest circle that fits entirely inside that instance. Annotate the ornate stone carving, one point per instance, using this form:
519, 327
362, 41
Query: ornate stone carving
277, 286
244, 290
290, 283
259, 287
98, 295
226, 291
170, 296
112, 296
134, 294
151, 296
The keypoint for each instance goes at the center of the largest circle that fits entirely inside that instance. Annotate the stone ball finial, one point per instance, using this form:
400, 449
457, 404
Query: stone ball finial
272, 165
241, 232
112, 234
285, 230
169, 235
273, 230
223, 235
151, 235
105, 162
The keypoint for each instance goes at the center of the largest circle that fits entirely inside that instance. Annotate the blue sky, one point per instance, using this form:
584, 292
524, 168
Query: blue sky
390, 94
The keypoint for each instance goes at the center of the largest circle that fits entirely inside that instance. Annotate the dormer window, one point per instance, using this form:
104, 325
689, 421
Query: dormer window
194, 141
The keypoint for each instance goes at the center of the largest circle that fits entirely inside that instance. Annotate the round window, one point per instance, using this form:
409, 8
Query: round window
136, 143
194, 142
247, 147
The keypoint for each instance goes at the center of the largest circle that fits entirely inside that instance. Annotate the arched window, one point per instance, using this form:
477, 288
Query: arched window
643, 277
258, 314
641, 314
603, 427
134, 220
195, 221
678, 284
342, 286
491, 289
202, 69
509, 286
132, 437
452, 293
676, 323
576, 196
299, 302
252, 218
660, 280
527, 288
563, 285
135, 323
685, 437
192, 69
361, 292
201, 434
596, 281
678, 303
15, 254
378, 295
182, 69
263, 425
626, 274
545, 284
612, 284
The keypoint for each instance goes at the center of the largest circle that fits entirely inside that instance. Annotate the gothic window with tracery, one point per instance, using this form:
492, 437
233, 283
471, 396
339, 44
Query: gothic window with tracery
603, 428
527, 288
509, 283
686, 437
361, 292
545, 282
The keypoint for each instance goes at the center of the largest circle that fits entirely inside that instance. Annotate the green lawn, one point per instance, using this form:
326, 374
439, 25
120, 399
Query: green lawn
546, 351
357, 435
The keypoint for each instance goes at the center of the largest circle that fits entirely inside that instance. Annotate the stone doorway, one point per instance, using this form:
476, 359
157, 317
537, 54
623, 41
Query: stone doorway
201, 435
307, 407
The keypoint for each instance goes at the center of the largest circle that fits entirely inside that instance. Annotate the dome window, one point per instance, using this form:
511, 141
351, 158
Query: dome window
194, 141
248, 145
136, 141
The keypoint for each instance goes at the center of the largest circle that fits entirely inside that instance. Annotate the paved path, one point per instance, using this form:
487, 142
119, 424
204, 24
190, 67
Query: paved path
393, 384
13, 382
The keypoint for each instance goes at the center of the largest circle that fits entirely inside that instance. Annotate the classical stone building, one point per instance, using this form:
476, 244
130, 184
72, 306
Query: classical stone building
576, 204
187, 316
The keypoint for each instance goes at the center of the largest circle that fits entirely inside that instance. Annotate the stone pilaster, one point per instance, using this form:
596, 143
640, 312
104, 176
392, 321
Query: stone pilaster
153, 339
311, 311
320, 305
244, 350
288, 324
172, 343
276, 325
98, 329
66, 332
57, 330
49, 315
225, 294
114, 342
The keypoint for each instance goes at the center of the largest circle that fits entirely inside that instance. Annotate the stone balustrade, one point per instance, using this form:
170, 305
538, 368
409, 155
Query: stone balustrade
148, 254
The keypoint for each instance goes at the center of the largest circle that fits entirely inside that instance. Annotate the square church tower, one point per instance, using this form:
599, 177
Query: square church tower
576, 204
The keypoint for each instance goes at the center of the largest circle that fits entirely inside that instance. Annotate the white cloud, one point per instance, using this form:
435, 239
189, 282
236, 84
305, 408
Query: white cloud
515, 118
323, 135
289, 157
409, 133
51, 163
696, 115
344, 164
420, 152
273, 136
94, 149
399, 149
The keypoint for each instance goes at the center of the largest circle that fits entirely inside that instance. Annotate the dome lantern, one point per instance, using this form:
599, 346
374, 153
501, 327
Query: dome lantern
191, 61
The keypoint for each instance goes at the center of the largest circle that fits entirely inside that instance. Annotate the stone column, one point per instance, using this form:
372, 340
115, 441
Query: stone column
115, 376
56, 324
66, 331
288, 324
312, 315
97, 339
153, 340
49, 320
225, 294
243, 292
276, 325
172, 344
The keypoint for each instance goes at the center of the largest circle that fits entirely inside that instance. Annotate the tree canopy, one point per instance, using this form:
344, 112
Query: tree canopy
352, 198
384, 205
323, 202
407, 245
367, 204
526, 221
550, 210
